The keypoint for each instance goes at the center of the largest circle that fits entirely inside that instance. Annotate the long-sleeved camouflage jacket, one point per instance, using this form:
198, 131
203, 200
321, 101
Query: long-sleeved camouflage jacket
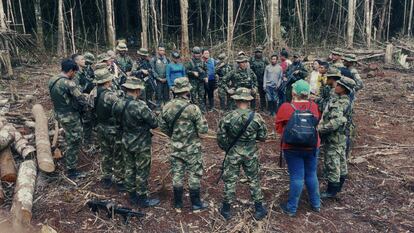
240, 78
124, 62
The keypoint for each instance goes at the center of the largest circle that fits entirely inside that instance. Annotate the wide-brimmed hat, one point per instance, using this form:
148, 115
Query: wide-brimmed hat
350, 58
334, 73
143, 52
122, 47
337, 51
240, 53
242, 93
103, 57
175, 55
181, 85
348, 83
241, 59
134, 83
89, 57
102, 76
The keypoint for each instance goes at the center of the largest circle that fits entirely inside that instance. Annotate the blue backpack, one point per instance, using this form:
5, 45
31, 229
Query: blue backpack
300, 130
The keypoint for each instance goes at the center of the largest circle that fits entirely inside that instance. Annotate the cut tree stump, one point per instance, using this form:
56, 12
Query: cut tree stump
7, 166
44, 153
21, 209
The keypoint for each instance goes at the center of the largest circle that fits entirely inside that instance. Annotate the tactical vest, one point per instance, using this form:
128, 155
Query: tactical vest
62, 101
160, 66
258, 66
103, 110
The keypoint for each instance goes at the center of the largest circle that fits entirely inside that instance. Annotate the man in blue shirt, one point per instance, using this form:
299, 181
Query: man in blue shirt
211, 84
175, 69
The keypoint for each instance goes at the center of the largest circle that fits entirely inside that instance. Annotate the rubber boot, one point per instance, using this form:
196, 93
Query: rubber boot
225, 211
196, 202
260, 212
133, 198
341, 182
331, 190
178, 198
106, 183
145, 202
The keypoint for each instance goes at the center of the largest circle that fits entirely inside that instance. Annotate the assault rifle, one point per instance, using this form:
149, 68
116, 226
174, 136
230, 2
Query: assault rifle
111, 209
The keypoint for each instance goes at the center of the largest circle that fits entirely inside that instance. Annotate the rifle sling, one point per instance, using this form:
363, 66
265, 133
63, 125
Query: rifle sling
177, 115
241, 132
54, 83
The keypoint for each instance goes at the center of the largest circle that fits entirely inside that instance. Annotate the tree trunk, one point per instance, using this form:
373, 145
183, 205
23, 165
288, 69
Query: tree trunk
388, 53
144, 23
306, 21
6, 136
61, 45
405, 17
274, 14
254, 22
1, 194
21, 209
21, 17
389, 19
368, 10
110, 26
72, 30
3, 25
208, 18
382, 20
7, 166
410, 18
162, 21
351, 23
299, 13
154, 13
44, 153
185, 45
230, 27
39, 25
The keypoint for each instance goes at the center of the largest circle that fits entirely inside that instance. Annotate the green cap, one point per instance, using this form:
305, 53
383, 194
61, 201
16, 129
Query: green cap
103, 57
258, 49
301, 87
181, 85
102, 76
334, 73
89, 57
242, 93
337, 51
241, 59
348, 83
350, 57
134, 83
143, 52
196, 50
122, 47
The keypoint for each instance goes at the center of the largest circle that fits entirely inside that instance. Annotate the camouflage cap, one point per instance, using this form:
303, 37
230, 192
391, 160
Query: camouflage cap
242, 93
181, 85
337, 51
222, 56
350, 57
175, 54
102, 76
258, 49
348, 83
101, 65
334, 73
89, 57
241, 53
133, 83
241, 59
196, 50
143, 52
122, 47
103, 57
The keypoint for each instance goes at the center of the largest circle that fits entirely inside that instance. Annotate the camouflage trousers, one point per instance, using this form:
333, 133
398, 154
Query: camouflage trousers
335, 164
88, 123
193, 166
112, 162
137, 169
224, 98
198, 92
251, 168
71, 123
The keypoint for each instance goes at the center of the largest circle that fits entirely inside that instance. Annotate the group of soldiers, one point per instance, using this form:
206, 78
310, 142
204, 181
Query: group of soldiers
114, 96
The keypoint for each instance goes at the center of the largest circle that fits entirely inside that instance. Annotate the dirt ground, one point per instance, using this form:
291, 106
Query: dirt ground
378, 197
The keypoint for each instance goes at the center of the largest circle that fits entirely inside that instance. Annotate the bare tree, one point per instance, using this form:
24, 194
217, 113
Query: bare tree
351, 23
144, 23
410, 18
3, 26
39, 25
368, 10
154, 14
299, 13
110, 26
185, 45
61, 45
229, 27
275, 35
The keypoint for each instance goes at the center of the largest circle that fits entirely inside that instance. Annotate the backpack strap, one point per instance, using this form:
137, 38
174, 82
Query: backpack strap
177, 115
54, 83
242, 131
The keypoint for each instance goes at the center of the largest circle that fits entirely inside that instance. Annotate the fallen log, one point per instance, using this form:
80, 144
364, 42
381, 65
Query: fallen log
1, 194
21, 145
21, 209
7, 166
6, 136
44, 153
57, 154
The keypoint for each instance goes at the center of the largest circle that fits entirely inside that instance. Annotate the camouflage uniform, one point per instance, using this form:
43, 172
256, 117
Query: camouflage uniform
159, 64
198, 90
326, 92
123, 61
144, 64
292, 78
68, 101
222, 69
258, 65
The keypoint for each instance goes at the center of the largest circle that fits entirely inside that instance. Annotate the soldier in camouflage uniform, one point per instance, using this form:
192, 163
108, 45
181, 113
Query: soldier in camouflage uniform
222, 69
68, 101
183, 122
137, 120
349, 63
144, 71
122, 59
332, 130
243, 153
159, 63
326, 90
258, 64
294, 72
336, 58
197, 74
108, 131
241, 77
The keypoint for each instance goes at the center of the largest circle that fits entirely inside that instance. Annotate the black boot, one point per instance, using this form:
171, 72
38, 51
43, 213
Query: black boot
106, 183
260, 212
133, 198
144, 201
331, 190
341, 182
178, 198
196, 202
225, 210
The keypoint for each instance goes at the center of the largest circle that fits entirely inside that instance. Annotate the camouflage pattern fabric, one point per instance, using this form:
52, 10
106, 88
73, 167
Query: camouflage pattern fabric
357, 78
258, 65
243, 153
292, 77
332, 131
136, 123
337, 64
325, 93
240, 78
198, 90
221, 70
140, 65
159, 65
186, 155
124, 63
